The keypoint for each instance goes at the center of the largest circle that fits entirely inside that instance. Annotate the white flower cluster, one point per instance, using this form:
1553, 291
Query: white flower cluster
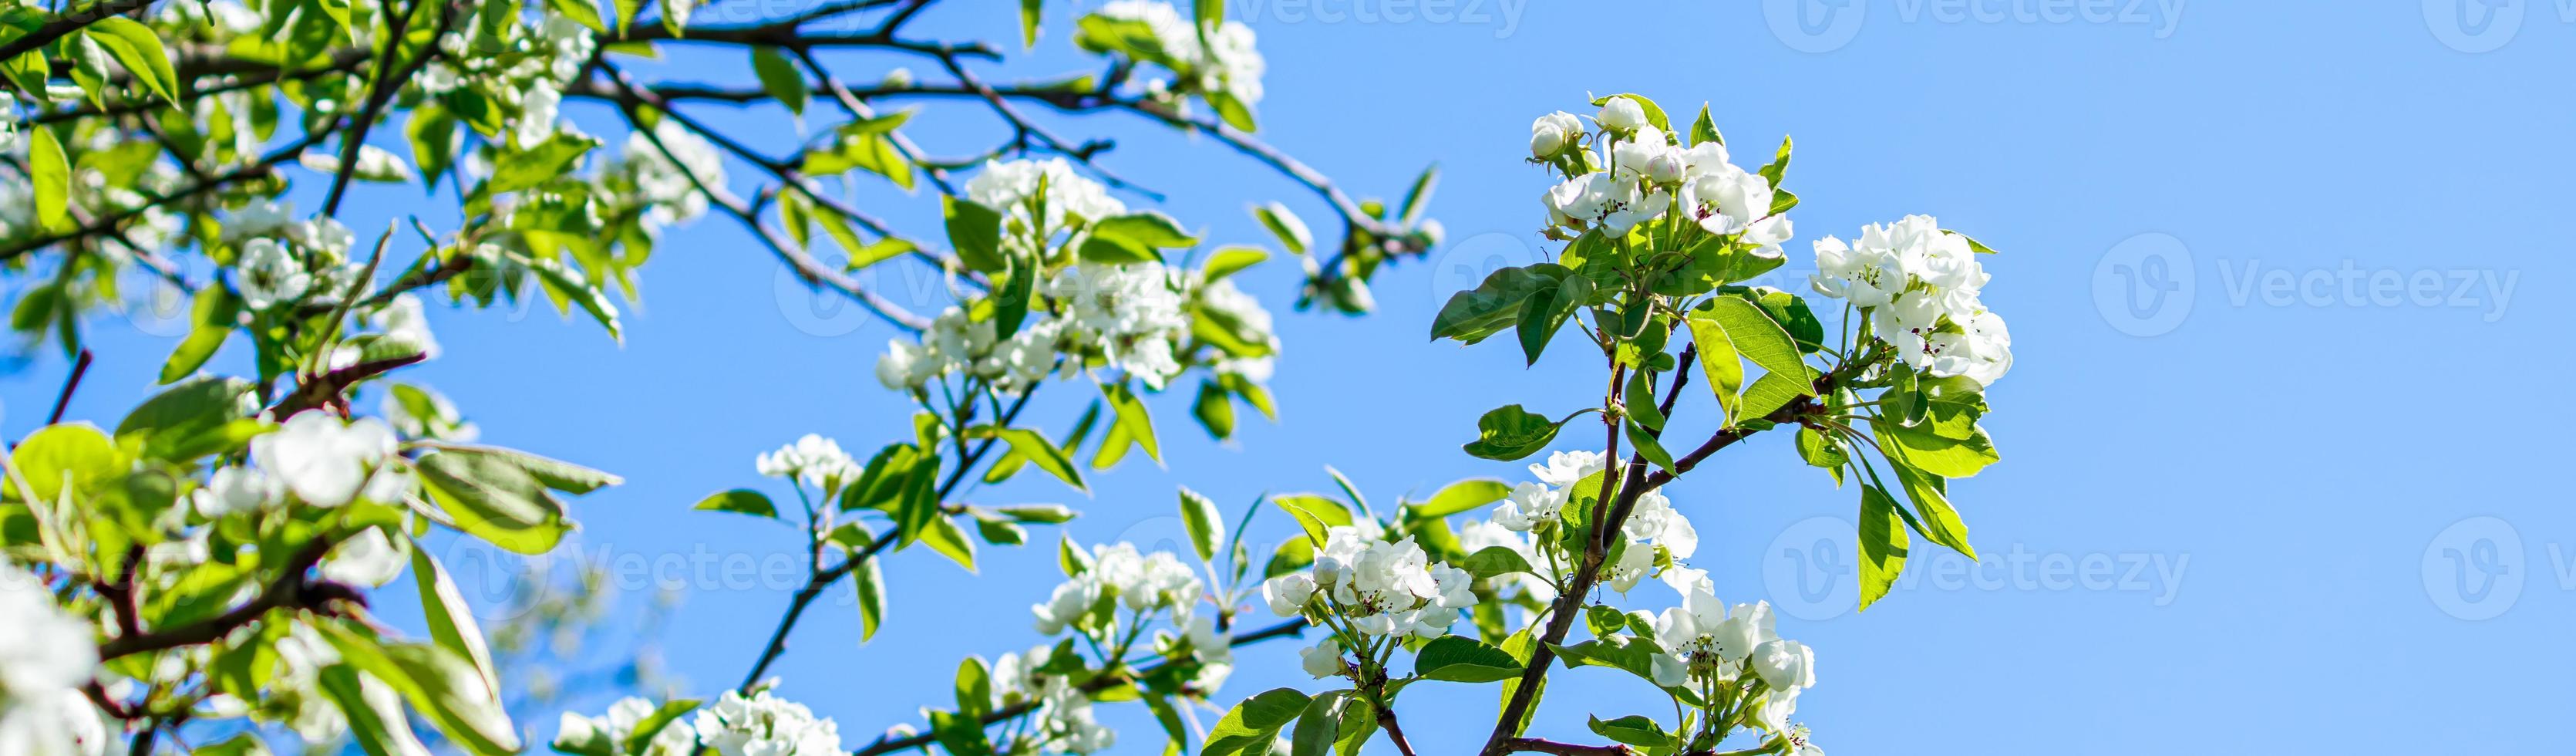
1378, 587
1063, 721
675, 738
281, 261
1706, 644
1009, 188
1920, 286
666, 188
45, 657
1651, 523
765, 725
553, 52
1141, 582
814, 461
957, 344
1130, 313
1224, 300
1227, 61
1649, 175
322, 460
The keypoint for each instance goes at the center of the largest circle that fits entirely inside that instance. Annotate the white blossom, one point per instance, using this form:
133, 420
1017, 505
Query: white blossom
675, 738
1322, 660
813, 460
765, 725
405, 321
322, 460
1008, 187
1622, 114
269, 274
233, 490
1551, 133
45, 656
368, 558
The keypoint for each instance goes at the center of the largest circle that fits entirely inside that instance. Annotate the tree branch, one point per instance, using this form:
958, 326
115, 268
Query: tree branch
291, 588
66, 24
1541, 745
887, 744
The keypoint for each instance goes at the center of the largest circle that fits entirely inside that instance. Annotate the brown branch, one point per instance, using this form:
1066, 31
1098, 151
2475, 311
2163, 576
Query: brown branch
290, 589
812, 271
66, 24
1541, 745
63, 401
381, 88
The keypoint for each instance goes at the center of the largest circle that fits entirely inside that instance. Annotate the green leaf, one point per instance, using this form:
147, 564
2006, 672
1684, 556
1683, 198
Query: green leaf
1793, 316
1939, 521
974, 688
1882, 544
662, 716
1497, 560
870, 580
1133, 425
1250, 726
552, 473
1214, 409
1633, 730
1335, 723
1545, 312
1952, 447
959, 734
1049, 514
944, 536
1228, 260
975, 231
51, 175
190, 408
1510, 433
1779, 164
1419, 196
1070, 557
740, 501
1292, 555
1705, 130
1522, 645
780, 78
1316, 513
1755, 335
1206, 525
440, 685
1471, 316
1029, 12
372, 711
76, 454
494, 499
1823, 451
1461, 496
1038, 449
1648, 447
1457, 658
1146, 229
450, 619
1639, 398
1286, 225
138, 49
539, 163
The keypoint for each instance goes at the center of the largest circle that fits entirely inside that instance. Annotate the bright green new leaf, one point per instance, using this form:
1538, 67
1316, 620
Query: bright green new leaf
1206, 525
1882, 544
740, 501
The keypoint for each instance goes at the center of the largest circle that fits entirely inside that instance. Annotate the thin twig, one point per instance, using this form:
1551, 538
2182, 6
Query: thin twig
80, 367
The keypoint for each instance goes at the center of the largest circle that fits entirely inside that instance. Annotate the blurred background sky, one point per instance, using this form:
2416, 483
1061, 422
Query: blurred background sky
2247, 449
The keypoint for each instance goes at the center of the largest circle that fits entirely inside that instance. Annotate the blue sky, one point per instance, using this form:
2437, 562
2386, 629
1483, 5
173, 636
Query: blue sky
2242, 440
